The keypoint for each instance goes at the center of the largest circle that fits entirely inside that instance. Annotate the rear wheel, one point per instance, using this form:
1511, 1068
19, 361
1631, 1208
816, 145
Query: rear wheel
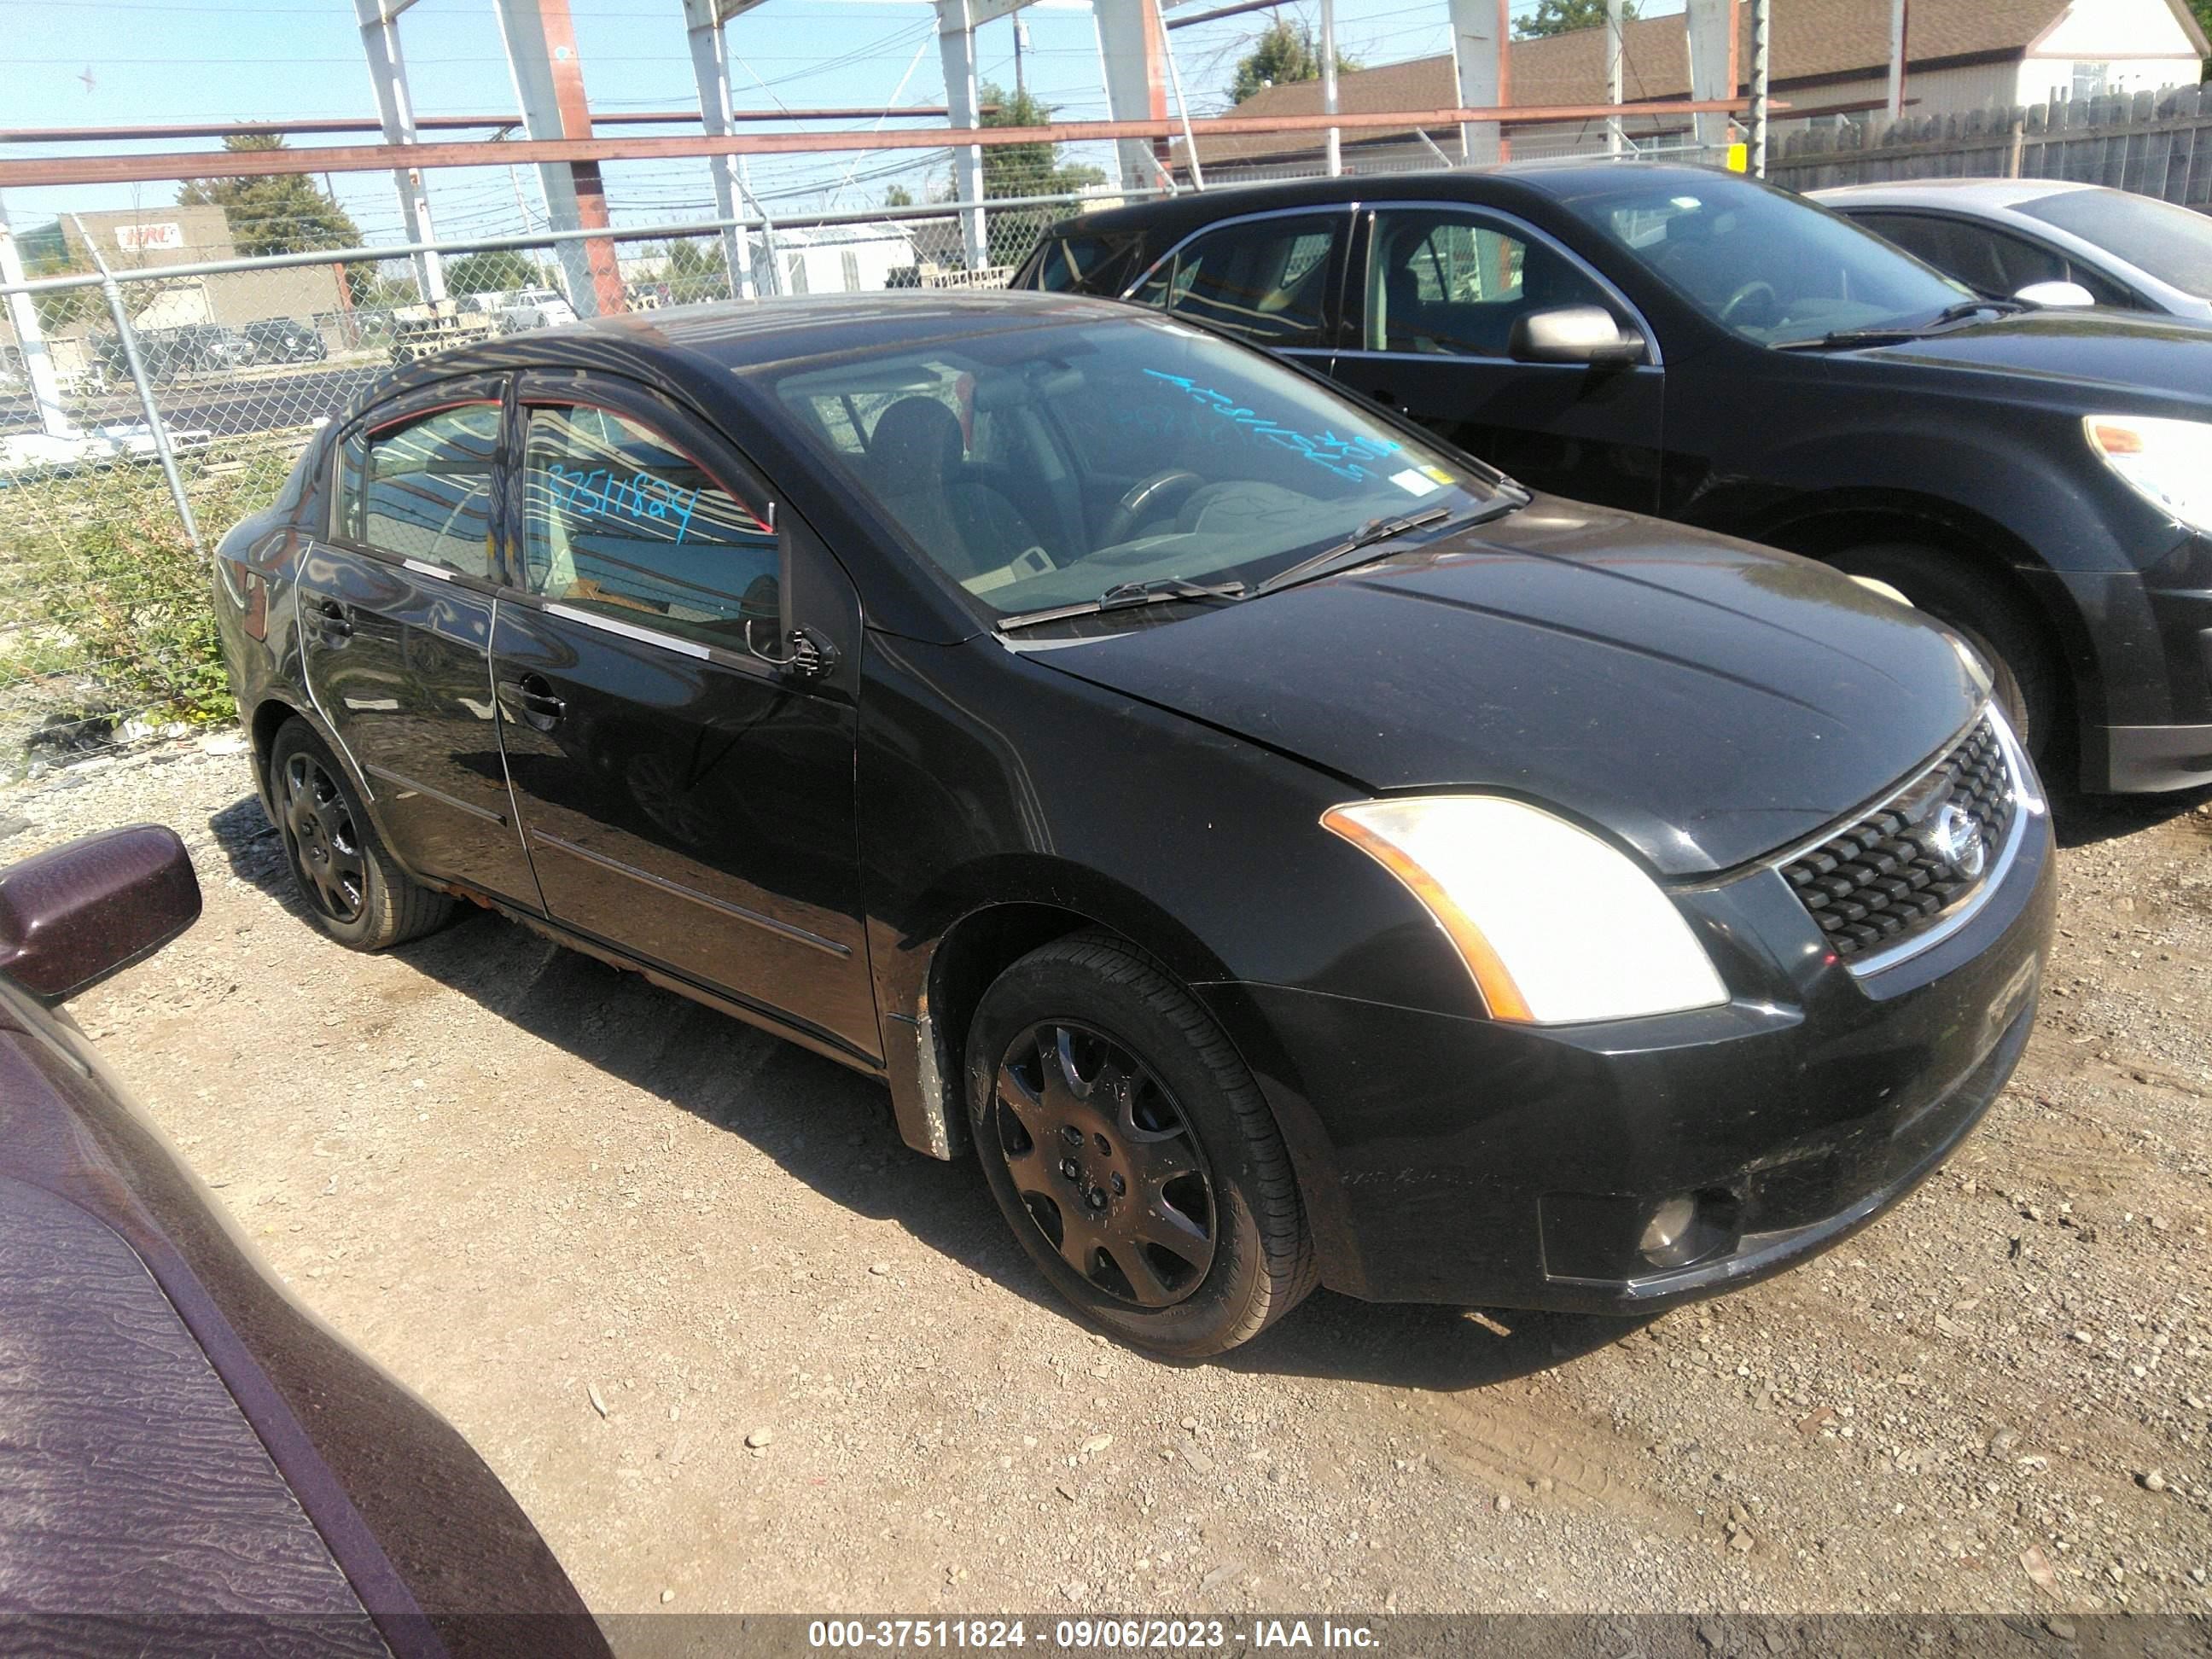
348, 881
1131, 1152
1991, 619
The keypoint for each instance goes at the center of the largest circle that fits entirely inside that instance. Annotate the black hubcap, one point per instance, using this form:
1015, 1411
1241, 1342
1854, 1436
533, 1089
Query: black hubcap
326, 848
1105, 1164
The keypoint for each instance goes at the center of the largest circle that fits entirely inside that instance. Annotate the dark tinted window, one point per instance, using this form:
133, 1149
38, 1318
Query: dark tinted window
1449, 282
1081, 264
2171, 243
617, 520
421, 490
1994, 261
1267, 279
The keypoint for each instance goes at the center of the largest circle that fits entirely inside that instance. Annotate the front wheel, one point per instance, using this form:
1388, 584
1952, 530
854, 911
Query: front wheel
1130, 1150
352, 888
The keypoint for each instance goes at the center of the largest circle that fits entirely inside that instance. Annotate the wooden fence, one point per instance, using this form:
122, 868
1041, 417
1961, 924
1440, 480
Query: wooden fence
2157, 143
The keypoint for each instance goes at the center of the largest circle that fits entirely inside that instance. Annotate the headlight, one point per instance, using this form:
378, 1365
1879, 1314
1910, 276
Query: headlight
2168, 463
1554, 924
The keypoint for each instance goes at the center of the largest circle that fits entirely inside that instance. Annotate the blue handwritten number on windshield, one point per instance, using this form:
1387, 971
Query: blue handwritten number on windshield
1341, 456
640, 498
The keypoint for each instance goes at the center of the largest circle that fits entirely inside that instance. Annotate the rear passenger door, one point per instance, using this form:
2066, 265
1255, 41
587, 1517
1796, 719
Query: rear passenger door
684, 799
1439, 290
395, 628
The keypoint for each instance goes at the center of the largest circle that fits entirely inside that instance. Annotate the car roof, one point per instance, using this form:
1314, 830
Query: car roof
1561, 177
1967, 193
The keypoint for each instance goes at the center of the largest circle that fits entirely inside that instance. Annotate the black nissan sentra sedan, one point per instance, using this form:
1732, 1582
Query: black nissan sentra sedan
1287, 851
1689, 343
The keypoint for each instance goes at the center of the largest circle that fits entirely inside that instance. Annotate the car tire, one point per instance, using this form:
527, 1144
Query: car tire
1131, 1152
1995, 623
351, 887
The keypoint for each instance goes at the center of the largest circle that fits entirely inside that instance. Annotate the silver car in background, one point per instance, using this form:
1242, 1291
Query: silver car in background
2002, 236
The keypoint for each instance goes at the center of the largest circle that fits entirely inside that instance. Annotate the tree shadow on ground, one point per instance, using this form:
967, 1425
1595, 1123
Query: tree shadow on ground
832, 1128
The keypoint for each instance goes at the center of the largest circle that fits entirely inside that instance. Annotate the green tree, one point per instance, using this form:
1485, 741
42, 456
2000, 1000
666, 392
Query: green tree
1565, 16
284, 213
491, 272
1027, 169
1280, 56
2204, 10
900, 195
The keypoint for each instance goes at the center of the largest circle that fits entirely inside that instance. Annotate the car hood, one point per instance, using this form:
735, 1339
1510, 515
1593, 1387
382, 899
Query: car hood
1705, 701
2127, 352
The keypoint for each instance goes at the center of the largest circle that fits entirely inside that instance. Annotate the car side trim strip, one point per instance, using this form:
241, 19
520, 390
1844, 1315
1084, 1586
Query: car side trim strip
783, 929
642, 635
407, 785
421, 569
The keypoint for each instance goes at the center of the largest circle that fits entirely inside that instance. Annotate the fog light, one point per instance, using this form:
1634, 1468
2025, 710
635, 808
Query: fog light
1664, 1232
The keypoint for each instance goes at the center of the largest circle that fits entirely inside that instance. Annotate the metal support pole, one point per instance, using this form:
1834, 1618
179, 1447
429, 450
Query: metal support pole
1131, 42
1612, 134
1335, 145
156, 428
1761, 29
710, 69
1709, 30
1479, 69
549, 85
956, 46
1182, 108
395, 112
38, 367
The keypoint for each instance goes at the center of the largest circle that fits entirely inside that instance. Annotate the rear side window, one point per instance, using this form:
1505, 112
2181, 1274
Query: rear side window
619, 521
1081, 264
1266, 280
421, 489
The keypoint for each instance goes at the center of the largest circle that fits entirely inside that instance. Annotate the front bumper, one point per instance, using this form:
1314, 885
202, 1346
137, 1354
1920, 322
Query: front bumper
2126, 760
1463, 1160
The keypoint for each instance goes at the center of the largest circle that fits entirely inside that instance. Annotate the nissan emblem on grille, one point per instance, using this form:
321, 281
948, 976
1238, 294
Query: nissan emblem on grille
1890, 874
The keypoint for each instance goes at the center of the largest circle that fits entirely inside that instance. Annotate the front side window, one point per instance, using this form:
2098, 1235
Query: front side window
2172, 244
618, 521
1763, 264
421, 489
1147, 451
1265, 280
1439, 281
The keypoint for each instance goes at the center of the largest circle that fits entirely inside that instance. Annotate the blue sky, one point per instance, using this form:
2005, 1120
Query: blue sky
214, 60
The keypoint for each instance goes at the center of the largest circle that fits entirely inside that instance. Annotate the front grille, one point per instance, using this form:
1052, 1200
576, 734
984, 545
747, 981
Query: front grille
1894, 872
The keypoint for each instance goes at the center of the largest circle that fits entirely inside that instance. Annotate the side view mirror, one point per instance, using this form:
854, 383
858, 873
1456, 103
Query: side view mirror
1573, 334
2047, 297
71, 917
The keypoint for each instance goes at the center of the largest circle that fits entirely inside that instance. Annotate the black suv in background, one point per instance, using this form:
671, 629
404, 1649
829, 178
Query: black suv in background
187, 348
1692, 343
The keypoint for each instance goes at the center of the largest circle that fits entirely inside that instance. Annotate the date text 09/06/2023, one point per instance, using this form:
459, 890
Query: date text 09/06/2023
1088, 1634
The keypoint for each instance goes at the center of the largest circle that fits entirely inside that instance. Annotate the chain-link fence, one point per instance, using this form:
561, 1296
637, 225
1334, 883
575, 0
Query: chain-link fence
175, 399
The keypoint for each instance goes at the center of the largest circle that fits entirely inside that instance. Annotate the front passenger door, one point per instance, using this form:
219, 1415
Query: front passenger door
683, 799
1441, 289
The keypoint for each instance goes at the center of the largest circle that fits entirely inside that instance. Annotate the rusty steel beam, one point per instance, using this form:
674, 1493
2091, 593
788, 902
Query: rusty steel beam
634, 118
371, 158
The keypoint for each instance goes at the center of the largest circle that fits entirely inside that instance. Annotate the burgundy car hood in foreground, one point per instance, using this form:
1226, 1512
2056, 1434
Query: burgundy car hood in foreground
1706, 700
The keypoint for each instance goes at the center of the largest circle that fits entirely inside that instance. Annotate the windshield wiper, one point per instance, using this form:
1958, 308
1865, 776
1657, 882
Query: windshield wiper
1358, 548
1126, 596
1957, 312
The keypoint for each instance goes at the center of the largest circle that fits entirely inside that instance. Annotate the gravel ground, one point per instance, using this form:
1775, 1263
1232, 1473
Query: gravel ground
734, 1348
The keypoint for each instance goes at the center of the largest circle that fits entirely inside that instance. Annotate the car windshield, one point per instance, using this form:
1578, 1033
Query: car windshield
1044, 466
2172, 244
1767, 265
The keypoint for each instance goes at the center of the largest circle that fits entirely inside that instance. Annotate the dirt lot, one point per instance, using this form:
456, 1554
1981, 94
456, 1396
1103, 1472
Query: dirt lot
612, 1236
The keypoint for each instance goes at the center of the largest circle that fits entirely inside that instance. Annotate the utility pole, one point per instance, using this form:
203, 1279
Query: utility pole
1762, 30
1021, 42
1898, 23
1328, 83
1614, 142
